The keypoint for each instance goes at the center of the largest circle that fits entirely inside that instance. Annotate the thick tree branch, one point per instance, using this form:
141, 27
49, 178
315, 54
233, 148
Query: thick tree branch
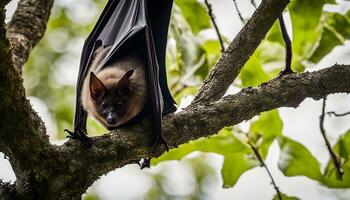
22, 134
239, 51
124, 146
27, 27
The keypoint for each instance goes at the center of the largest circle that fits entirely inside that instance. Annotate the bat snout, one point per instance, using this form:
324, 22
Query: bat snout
111, 119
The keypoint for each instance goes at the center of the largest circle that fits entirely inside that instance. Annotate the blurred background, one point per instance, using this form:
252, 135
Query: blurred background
195, 171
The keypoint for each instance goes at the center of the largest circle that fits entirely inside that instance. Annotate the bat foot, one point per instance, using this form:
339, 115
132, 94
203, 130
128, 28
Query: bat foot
81, 136
159, 139
286, 71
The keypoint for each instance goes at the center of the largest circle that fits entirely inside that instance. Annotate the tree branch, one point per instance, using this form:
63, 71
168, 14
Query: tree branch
27, 27
238, 11
262, 163
123, 146
253, 3
336, 159
338, 114
239, 51
22, 135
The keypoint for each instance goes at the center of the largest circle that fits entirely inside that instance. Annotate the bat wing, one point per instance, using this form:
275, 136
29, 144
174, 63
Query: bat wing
139, 25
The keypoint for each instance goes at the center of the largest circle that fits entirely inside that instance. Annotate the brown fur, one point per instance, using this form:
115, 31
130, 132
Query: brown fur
110, 76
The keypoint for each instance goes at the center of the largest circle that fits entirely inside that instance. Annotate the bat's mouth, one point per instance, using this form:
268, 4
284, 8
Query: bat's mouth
112, 127
115, 125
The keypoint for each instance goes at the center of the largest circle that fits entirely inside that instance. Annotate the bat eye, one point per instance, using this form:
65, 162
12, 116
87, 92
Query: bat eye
104, 105
119, 104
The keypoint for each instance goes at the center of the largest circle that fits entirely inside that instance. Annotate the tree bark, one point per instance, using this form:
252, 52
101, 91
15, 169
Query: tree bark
27, 27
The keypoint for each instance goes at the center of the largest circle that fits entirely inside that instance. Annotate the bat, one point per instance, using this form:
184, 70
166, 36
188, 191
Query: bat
127, 26
117, 93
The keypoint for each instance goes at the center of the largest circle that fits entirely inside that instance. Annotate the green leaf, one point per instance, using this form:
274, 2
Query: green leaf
263, 64
335, 31
238, 156
195, 14
329, 40
213, 51
224, 143
275, 34
253, 73
187, 60
296, 160
268, 126
341, 23
305, 32
342, 148
234, 166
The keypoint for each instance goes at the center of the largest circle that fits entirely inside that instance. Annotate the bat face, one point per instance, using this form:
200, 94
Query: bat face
111, 100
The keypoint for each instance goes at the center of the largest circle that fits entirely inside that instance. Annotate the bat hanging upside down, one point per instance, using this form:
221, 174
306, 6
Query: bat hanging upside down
122, 73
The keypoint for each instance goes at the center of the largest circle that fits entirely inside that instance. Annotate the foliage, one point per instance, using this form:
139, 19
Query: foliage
190, 56
313, 39
296, 160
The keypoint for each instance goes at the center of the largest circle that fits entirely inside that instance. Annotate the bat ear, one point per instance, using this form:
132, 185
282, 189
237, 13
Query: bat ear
97, 88
124, 84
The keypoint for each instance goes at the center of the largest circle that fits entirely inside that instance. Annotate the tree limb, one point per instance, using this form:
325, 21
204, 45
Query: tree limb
338, 114
263, 164
123, 146
334, 156
27, 27
22, 135
239, 51
238, 11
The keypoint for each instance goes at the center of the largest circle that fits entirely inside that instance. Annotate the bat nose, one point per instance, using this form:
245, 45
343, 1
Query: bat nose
110, 119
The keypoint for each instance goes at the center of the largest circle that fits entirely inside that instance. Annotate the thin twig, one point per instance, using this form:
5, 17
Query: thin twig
288, 43
338, 114
253, 3
238, 11
258, 156
334, 156
212, 17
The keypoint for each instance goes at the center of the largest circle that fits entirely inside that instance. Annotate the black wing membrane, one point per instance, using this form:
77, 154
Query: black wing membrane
132, 25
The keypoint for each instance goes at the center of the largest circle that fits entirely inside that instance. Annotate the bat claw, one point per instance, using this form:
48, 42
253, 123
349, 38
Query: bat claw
159, 139
81, 136
71, 134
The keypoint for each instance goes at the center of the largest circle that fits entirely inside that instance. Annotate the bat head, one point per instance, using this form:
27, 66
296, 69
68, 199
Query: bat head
111, 99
